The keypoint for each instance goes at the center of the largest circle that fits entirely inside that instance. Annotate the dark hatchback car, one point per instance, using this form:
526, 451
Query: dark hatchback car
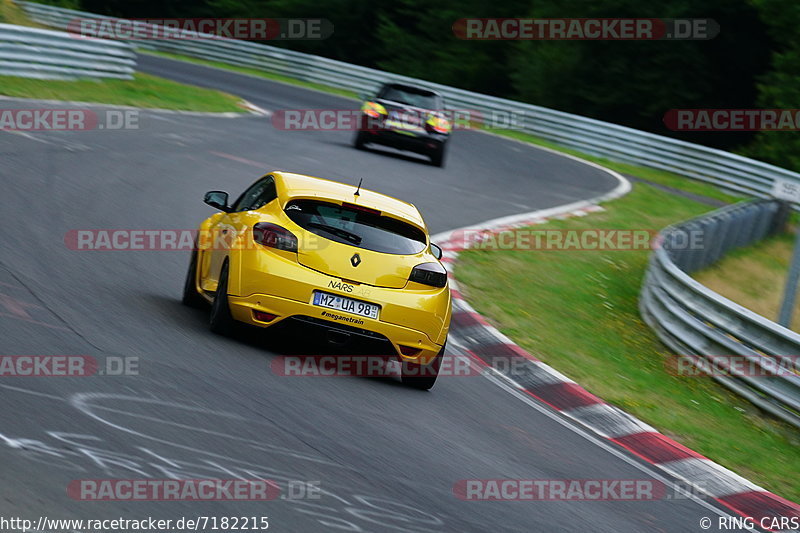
407, 118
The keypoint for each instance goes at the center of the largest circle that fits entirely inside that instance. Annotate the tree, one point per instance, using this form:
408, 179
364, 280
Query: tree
780, 87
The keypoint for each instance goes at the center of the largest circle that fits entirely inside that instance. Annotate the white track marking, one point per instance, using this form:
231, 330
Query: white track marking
33, 393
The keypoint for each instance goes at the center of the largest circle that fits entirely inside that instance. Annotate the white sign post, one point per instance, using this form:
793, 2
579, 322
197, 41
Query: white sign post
789, 191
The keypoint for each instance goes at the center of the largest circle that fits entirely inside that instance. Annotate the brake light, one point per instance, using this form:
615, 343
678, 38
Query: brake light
261, 316
438, 124
356, 207
274, 236
432, 274
373, 109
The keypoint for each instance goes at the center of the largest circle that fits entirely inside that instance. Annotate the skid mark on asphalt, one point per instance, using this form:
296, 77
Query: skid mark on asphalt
16, 308
340, 507
90, 403
17, 302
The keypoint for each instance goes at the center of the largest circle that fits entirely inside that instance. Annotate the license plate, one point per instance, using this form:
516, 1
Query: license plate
404, 121
407, 118
348, 305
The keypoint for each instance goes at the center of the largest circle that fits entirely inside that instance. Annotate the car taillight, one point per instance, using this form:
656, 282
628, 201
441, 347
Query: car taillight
274, 236
373, 109
432, 274
438, 124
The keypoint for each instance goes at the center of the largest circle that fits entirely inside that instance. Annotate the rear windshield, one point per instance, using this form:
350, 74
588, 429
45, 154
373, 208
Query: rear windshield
367, 230
410, 96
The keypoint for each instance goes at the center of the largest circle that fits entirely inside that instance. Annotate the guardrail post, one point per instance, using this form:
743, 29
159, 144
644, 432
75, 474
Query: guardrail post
790, 292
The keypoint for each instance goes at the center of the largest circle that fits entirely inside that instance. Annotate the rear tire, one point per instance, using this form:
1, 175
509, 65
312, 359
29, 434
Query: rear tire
360, 140
221, 321
422, 377
437, 156
191, 298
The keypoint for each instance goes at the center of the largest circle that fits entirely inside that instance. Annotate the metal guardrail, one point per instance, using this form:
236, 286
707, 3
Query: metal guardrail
695, 321
618, 143
687, 316
54, 55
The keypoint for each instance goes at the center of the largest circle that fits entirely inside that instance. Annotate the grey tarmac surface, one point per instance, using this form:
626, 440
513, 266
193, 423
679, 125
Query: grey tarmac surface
203, 406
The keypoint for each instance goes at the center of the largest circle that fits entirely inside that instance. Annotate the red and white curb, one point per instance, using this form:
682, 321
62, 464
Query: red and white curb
254, 109
535, 378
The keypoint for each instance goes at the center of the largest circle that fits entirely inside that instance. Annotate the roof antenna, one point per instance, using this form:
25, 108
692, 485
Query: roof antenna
357, 193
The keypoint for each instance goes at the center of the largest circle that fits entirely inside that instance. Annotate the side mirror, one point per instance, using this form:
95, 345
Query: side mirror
217, 200
436, 251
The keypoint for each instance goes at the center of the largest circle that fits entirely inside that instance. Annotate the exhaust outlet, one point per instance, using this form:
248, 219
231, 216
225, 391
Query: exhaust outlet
338, 338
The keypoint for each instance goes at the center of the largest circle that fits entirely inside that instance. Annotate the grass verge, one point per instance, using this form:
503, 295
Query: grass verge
143, 91
10, 13
755, 276
599, 339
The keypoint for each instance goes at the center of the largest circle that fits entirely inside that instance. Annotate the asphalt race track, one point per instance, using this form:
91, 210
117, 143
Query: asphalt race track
386, 457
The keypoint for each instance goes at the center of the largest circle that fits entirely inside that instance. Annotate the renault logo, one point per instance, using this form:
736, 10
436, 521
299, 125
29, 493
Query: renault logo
355, 260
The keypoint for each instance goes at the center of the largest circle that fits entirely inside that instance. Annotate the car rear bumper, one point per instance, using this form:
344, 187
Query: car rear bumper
414, 141
423, 310
383, 337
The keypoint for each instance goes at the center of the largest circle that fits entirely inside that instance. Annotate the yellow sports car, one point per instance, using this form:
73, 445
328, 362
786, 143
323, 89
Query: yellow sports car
351, 263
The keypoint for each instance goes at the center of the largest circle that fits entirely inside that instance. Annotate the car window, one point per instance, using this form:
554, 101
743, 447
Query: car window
257, 196
410, 96
357, 226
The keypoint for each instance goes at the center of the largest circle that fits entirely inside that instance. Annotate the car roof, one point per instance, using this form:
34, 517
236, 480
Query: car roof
290, 185
411, 87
